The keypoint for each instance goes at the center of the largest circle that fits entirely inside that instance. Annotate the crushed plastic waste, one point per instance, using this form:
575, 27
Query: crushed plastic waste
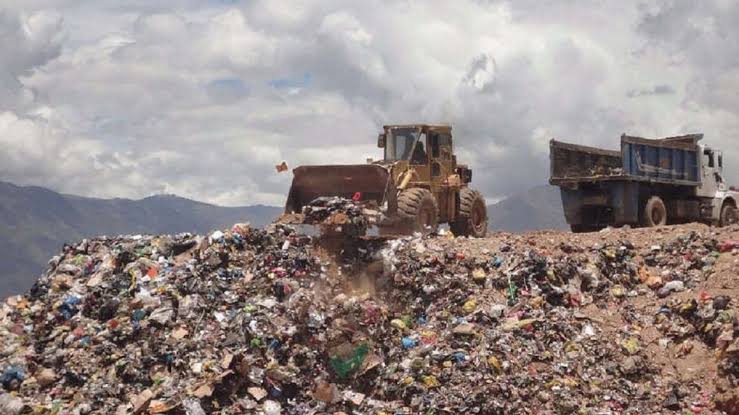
249, 321
336, 215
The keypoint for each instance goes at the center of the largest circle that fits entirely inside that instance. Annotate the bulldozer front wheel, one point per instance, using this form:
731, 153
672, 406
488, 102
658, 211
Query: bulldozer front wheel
418, 211
472, 217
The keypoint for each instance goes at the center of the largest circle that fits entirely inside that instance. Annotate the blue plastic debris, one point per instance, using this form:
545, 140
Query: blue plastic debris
459, 357
409, 343
69, 306
12, 377
498, 262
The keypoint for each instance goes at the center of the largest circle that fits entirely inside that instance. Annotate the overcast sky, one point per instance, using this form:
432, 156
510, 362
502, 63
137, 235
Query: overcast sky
202, 98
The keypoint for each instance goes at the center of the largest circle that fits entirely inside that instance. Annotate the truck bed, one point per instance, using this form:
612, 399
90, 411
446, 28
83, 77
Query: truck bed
573, 163
672, 160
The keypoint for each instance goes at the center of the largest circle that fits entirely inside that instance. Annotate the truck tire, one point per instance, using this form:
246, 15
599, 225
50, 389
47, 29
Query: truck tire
472, 216
418, 211
655, 213
729, 215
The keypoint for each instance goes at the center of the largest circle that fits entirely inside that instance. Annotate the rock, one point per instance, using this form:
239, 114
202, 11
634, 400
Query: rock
257, 393
10, 405
141, 401
272, 408
45, 377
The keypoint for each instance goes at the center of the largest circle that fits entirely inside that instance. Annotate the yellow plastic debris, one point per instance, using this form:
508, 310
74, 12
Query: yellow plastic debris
631, 345
618, 291
431, 381
511, 325
494, 363
469, 306
398, 324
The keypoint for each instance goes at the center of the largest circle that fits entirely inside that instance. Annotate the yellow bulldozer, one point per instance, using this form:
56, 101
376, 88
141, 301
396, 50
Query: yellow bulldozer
418, 184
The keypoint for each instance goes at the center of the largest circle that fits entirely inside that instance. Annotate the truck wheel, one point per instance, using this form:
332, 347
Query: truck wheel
472, 217
655, 213
417, 210
729, 215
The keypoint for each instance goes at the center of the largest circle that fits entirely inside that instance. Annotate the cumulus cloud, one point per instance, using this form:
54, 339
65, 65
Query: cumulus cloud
26, 41
203, 100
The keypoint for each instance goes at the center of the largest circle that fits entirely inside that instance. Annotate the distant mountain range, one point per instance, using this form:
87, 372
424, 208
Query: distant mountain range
536, 209
36, 222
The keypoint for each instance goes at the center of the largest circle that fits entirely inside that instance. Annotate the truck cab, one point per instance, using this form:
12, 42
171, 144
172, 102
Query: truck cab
713, 185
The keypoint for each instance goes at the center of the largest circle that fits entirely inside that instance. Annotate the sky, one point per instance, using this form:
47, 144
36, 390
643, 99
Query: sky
203, 98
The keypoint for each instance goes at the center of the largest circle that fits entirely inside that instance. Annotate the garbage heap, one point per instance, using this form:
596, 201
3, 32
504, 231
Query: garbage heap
337, 216
251, 321
524, 328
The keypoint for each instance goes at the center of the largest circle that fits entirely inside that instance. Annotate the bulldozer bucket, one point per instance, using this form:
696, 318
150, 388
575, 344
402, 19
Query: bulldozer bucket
312, 182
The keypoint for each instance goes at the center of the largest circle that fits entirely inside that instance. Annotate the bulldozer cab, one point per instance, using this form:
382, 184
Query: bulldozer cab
418, 144
428, 150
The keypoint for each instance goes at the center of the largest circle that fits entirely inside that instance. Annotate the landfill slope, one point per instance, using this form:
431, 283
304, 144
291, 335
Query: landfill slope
249, 321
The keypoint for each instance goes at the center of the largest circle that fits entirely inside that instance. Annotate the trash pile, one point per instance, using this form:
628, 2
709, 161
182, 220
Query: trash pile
338, 216
249, 321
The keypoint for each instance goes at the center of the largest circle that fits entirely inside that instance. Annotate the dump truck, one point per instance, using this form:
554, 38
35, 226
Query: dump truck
649, 182
417, 185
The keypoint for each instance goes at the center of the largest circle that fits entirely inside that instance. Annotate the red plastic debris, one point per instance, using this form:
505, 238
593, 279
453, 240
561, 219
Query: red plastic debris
728, 246
357, 196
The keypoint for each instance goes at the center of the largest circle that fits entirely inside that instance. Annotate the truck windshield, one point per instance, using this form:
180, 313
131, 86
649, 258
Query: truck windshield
400, 143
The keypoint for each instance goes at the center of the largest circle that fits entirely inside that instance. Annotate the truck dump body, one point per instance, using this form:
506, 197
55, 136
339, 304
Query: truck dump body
571, 162
671, 160
604, 187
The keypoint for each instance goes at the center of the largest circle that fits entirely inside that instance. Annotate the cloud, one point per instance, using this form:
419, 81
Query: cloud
27, 42
203, 99
655, 90
227, 91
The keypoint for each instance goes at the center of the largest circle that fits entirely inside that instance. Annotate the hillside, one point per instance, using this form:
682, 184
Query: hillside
36, 222
536, 209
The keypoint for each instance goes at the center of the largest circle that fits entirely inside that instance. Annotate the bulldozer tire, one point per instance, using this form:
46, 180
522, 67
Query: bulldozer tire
655, 213
418, 211
472, 216
729, 215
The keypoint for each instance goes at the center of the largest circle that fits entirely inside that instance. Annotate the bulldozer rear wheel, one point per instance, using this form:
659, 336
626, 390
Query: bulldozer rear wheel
418, 211
472, 217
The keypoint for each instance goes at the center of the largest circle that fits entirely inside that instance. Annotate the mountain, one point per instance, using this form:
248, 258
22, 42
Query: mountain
536, 209
36, 222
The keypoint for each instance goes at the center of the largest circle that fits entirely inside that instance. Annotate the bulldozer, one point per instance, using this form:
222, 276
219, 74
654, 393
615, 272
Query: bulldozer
417, 185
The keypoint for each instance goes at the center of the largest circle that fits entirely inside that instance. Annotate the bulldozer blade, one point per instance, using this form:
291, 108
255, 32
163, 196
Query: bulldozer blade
312, 182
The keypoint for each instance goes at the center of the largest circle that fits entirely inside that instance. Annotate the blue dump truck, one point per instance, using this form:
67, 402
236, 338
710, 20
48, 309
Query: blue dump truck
648, 183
